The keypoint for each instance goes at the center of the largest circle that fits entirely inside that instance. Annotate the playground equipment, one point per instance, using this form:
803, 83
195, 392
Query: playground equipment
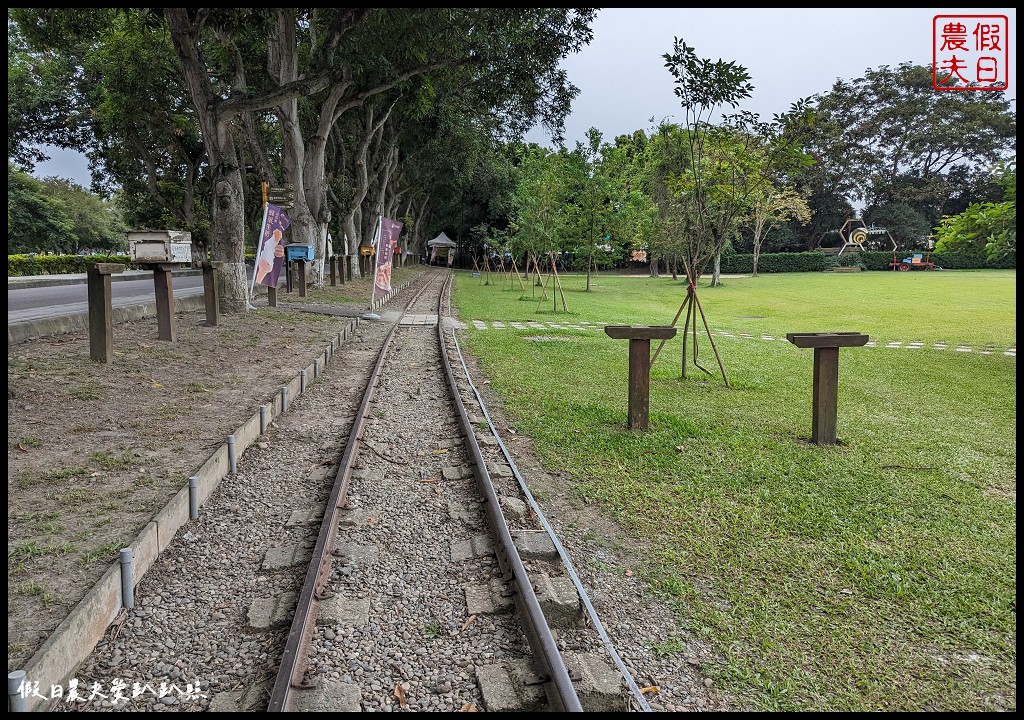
859, 235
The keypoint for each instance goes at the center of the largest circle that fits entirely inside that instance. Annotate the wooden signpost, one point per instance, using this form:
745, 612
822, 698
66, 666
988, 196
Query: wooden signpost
824, 406
639, 337
101, 317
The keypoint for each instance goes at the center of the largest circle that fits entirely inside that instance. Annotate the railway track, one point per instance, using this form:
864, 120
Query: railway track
377, 551
486, 614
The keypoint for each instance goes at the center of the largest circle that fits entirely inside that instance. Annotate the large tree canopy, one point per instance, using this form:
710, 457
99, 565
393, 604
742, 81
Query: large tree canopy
986, 226
891, 137
308, 69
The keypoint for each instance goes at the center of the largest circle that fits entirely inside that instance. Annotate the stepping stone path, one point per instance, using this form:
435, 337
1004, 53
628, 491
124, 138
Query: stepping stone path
584, 325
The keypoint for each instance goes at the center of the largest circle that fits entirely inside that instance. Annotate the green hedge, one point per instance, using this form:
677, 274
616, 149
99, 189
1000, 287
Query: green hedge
26, 265
743, 263
22, 265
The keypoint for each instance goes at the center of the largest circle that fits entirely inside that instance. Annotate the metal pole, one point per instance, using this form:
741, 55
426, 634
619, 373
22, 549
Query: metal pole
193, 497
263, 418
302, 381
15, 699
232, 457
284, 398
127, 579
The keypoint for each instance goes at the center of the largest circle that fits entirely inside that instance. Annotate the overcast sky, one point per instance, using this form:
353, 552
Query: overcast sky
789, 54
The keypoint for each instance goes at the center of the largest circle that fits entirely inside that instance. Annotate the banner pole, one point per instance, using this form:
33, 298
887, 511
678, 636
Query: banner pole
376, 259
259, 249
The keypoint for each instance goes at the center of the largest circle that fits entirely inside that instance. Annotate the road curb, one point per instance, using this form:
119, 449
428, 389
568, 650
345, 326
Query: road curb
31, 329
34, 281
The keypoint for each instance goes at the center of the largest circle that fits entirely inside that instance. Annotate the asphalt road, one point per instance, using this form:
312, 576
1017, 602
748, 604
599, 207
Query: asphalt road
33, 303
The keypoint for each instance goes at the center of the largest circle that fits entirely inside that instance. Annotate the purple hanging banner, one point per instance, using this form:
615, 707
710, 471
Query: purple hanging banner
386, 244
270, 254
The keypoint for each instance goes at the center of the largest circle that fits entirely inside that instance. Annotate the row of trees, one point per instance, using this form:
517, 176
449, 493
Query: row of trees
417, 114
59, 216
684, 192
361, 111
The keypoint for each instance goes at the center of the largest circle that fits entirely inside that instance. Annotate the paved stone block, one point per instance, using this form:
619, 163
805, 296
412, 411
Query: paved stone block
272, 612
456, 472
499, 470
489, 599
559, 600
599, 685
329, 696
305, 516
534, 545
351, 553
504, 687
226, 701
340, 610
353, 517
459, 512
474, 547
322, 473
514, 507
287, 556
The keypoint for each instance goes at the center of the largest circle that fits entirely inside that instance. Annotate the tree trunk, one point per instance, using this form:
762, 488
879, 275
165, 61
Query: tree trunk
227, 213
227, 227
716, 275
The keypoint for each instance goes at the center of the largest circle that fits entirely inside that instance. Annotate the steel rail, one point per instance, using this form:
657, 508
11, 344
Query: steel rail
537, 629
562, 553
294, 655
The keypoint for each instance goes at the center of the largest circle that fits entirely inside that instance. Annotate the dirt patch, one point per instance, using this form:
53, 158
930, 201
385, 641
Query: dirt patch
95, 450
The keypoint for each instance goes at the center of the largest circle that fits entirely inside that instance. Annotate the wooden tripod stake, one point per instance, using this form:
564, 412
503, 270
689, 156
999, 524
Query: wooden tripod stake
515, 270
557, 283
689, 303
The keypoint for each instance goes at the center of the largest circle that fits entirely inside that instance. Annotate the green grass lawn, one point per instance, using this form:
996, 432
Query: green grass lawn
878, 574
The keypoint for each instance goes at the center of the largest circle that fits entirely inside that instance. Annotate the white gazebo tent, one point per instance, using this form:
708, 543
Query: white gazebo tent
441, 247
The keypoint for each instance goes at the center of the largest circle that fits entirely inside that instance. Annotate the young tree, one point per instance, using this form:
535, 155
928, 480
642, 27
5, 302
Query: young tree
711, 202
540, 214
596, 202
727, 165
772, 206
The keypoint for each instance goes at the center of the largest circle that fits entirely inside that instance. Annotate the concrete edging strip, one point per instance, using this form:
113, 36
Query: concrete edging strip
71, 642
